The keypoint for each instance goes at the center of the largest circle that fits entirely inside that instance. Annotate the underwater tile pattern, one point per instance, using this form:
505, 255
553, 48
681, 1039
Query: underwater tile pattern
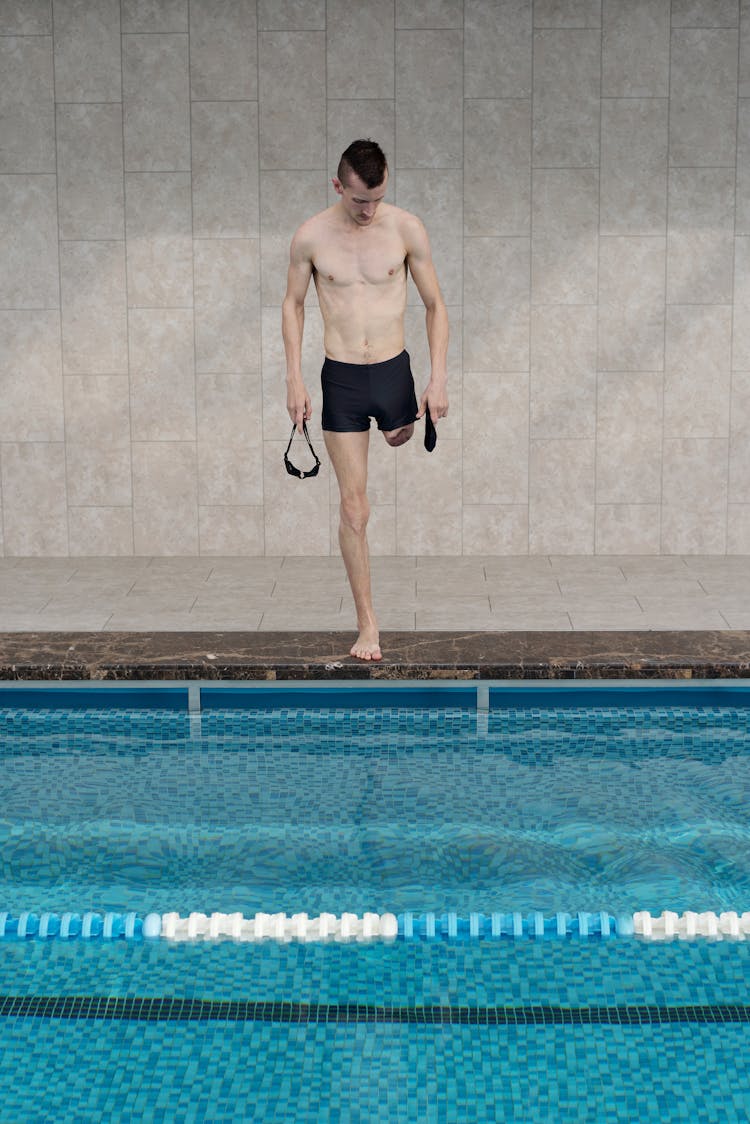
382, 809
313, 1073
153, 809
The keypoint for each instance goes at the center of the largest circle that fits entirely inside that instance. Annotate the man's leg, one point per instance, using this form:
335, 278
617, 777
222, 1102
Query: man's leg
396, 437
348, 453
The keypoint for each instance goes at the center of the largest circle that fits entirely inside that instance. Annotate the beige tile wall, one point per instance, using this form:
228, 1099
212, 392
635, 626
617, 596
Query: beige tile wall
582, 166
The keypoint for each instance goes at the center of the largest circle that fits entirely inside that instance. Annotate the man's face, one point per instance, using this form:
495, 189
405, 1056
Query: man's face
359, 201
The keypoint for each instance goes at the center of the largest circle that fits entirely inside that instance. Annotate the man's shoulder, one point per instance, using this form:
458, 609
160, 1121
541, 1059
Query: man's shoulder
313, 228
410, 226
406, 222
397, 213
308, 236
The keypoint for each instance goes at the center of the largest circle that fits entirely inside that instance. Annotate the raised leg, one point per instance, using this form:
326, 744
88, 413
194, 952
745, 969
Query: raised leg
348, 453
396, 437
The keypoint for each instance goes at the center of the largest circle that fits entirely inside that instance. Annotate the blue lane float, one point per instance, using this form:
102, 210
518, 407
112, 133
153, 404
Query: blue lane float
349, 927
78, 926
513, 926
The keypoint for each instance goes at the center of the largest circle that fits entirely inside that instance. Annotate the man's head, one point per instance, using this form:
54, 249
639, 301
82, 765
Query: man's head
361, 180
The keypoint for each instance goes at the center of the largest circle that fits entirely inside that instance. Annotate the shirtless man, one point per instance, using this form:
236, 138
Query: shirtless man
358, 252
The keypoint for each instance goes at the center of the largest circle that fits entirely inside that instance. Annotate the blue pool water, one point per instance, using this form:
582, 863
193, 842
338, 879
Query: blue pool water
550, 800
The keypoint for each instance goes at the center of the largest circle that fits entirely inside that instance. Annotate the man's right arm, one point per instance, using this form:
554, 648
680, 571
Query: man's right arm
292, 325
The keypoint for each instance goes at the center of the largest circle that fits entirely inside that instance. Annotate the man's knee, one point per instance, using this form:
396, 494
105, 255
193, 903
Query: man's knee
396, 437
355, 512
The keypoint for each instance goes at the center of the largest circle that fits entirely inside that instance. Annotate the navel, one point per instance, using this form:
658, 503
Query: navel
330, 277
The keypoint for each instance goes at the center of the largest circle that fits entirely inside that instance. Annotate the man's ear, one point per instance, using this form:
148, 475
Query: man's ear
338, 187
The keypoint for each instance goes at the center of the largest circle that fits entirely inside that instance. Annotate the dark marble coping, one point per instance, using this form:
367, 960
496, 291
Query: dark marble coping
406, 655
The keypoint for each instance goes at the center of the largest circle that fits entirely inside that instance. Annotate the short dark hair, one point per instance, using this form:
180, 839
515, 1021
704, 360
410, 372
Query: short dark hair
367, 160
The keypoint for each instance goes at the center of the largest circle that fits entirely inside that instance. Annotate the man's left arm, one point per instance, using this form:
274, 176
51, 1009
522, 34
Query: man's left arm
422, 269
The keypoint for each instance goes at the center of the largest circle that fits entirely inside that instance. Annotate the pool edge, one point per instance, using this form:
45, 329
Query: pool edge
469, 655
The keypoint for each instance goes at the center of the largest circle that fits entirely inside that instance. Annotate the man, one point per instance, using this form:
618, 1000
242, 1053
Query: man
358, 252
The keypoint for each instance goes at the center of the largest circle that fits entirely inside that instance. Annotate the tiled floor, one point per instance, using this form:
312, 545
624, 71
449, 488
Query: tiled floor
309, 594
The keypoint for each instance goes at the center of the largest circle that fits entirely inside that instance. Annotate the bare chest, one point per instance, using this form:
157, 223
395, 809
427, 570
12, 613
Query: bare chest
360, 261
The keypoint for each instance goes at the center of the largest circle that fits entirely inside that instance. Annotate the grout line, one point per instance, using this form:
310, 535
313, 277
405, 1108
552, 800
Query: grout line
598, 300
192, 264
734, 294
127, 301
60, 286
261, 306
530, 364
79, 241
393, 455
666, 307
332, 536
148, 172
462, 357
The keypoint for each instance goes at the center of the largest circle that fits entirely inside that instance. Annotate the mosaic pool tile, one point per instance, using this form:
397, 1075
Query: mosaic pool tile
376, 809
194, 1072
120, 809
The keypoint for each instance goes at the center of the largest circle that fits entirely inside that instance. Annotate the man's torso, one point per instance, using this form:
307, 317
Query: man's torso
360, 276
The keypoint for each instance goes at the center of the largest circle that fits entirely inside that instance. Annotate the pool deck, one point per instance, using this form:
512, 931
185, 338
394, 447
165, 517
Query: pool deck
456, 618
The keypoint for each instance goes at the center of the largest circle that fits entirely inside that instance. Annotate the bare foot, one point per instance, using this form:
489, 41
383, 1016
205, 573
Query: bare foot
367, 644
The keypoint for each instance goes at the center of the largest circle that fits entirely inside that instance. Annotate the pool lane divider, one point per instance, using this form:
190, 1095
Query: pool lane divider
349, 927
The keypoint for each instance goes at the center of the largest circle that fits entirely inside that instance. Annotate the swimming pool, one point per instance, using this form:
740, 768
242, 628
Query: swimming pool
409, 797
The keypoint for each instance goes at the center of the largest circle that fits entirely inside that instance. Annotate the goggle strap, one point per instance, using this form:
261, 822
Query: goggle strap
292, 469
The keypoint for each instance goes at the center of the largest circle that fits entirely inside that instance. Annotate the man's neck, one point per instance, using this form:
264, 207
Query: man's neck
350, 224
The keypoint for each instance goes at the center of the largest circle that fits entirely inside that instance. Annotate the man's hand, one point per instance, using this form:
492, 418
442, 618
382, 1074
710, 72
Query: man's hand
298, 404
435, 398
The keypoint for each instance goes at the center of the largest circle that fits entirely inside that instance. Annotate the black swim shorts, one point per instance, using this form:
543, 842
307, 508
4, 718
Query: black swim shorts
355, 392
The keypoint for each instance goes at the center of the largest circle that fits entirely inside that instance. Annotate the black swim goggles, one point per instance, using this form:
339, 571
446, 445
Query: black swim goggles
292, 469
